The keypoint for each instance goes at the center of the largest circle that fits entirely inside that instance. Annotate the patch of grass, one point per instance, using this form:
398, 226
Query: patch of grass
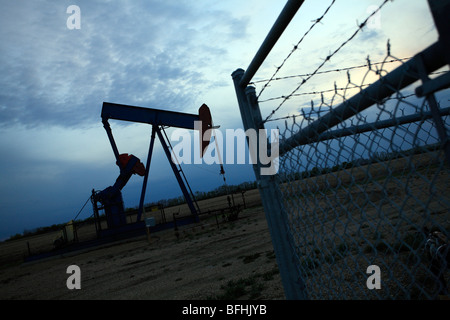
342, 248
190, 236
250, 258
378, 246
382, 247
270, 254
255, 290
233, 290
368, 249
409, 241
267, 276
309, 264
378, 235
250, 286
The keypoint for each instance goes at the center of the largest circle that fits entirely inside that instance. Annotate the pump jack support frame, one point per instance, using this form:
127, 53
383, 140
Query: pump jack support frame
158, 119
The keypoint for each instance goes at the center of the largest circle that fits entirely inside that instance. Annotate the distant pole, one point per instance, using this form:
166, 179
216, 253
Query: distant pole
243, 198
149, 238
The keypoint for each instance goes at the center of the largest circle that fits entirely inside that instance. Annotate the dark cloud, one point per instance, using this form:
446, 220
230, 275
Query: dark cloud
149, 53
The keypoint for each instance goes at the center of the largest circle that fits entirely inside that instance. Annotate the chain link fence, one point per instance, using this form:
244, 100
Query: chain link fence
370, 192
359, 208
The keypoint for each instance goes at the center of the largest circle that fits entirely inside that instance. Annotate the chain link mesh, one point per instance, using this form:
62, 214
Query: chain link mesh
377, 197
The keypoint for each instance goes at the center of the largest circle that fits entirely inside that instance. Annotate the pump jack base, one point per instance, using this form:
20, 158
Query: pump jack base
108, 236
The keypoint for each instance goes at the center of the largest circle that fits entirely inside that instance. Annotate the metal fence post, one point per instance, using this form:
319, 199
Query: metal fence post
270, 196
283, 20
440, 10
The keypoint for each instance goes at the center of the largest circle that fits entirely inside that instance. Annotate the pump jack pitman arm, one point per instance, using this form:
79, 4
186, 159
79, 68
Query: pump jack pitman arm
111, 197
131, 165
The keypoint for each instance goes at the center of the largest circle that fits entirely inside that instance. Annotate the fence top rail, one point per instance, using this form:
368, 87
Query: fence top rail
283, 20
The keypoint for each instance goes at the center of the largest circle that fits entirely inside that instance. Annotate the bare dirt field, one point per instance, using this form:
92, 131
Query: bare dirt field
232, 260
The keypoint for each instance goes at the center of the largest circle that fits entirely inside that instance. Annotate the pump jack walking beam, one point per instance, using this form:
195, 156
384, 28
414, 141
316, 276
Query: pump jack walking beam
148, 115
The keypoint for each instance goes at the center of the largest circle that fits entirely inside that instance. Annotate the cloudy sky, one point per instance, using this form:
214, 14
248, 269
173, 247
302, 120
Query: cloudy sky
163, 54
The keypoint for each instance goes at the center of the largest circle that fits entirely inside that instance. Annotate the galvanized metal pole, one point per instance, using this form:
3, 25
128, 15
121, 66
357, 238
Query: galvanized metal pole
285, 17
270, 196
367, 127
435, 111
244, 108
440, 9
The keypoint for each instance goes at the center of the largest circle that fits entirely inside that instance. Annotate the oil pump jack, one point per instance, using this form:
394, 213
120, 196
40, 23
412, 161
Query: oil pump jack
110, 199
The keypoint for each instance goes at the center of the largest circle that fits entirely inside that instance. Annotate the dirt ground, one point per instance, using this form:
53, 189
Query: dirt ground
235, 260
232, 261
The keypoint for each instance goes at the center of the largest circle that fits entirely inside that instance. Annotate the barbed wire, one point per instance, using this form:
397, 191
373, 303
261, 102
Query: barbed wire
336, 89
316, 21
334, 70
360, 26
368, 64
315, 92
330, 71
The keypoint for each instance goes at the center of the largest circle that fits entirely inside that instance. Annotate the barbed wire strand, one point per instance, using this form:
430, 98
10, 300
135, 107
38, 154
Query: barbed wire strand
326, 60
316, 21
330, 71
314, 92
